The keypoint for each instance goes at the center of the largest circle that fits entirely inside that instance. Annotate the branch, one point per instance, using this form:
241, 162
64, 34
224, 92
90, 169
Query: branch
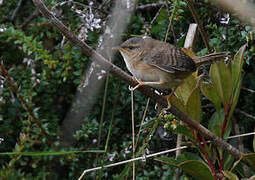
16, 10
30, 18
129, 80
245, 113
152, 5
200, 26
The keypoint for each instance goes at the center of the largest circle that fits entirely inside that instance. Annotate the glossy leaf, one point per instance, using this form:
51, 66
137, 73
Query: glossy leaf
185, 89
178, 103
215, 122
252, 177
236, 93
194, 105
168, 160
189, 93
237, 77
209, 92
250, 159
184, 130
228, 161
222, 80
197, 169
237, 66
229, 175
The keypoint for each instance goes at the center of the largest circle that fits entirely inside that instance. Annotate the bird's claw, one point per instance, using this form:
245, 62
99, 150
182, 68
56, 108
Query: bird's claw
140, 83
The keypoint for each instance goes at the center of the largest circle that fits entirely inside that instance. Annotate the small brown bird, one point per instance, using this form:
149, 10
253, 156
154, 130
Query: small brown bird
159, 64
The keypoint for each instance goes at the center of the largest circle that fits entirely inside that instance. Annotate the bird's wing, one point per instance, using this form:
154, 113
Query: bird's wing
170, 59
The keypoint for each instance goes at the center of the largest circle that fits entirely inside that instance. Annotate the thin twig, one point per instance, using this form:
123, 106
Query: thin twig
171, 19
143, 118
110, 127
29, 19
200, 26
245, 113
153, 20
249, 90
152, 155
152, 5
133, 130
130, 160
102, 115
16, 10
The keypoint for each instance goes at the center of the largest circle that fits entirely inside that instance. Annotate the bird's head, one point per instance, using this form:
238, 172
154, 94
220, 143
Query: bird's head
133, 47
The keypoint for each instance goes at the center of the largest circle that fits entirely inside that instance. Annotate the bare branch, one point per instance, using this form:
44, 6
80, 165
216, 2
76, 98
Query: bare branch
245, 113
152, 5
199, 23
16, 10
29, 19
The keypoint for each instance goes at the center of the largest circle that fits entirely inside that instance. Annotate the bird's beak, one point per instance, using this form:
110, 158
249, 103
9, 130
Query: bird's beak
116, 48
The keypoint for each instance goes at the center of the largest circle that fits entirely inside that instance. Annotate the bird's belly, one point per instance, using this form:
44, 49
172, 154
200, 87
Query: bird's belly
148, 73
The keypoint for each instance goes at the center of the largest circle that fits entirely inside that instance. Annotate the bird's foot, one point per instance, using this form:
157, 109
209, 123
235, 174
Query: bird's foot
168, 99
140, 83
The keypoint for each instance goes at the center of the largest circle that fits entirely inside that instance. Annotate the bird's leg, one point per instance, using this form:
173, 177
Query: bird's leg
168, 98
140, 83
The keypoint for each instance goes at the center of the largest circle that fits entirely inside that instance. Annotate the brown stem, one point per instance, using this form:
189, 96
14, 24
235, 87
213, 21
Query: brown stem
34, 15
202, 148
114, 70
225, 123
200, 26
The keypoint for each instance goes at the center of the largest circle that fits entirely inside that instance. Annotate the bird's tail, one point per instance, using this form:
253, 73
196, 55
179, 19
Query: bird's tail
210, 58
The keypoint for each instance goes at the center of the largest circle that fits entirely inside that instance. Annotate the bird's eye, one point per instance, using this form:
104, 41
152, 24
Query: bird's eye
131, 47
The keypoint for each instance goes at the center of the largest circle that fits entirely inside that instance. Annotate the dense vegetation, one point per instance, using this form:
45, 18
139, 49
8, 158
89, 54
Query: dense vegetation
44, 96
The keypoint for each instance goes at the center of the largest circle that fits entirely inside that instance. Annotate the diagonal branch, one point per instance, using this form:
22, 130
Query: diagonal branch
107, 65
199, 23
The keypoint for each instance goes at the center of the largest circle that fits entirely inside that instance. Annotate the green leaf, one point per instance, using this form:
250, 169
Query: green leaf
252, 177
189, 100
216, 122
222, 81
250, 159
197, 169
184, 130
168, 160
209, 92
178, 102
237, 66
228, 161
230, 175
124, 172
194, 105
237, 77
184, 90
50, 153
